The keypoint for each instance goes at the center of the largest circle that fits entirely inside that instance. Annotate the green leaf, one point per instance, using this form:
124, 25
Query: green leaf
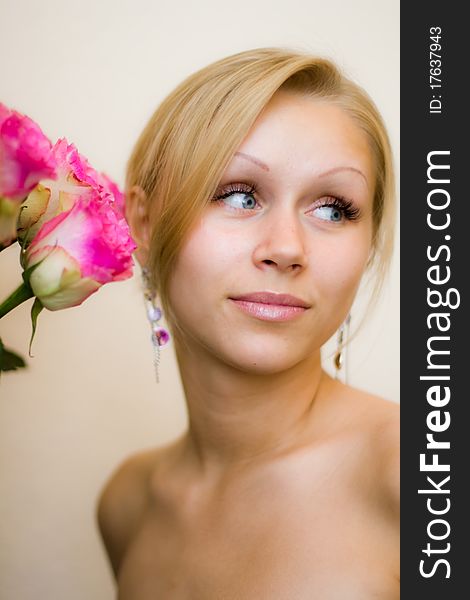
10, 361
35, 310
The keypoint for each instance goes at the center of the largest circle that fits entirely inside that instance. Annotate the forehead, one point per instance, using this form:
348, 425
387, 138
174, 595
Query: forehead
307, 133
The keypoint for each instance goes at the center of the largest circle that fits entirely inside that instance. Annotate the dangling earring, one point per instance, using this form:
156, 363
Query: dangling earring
160, 336
340, 356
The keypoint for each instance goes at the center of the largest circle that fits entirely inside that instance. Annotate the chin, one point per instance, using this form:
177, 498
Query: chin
263, 359
252, 351
262, 367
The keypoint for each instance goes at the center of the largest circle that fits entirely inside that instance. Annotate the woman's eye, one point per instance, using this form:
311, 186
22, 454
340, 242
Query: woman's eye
238, 196
337, 210
329, 213
240, 200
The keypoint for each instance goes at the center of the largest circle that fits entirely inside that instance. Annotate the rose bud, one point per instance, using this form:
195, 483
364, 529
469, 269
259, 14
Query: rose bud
79, 250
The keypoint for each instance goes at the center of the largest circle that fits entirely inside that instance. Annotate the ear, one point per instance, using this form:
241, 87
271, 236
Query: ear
138, 219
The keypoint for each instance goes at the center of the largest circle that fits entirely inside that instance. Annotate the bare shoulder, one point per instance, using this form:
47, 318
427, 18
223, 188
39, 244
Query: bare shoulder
381, 419
123, 501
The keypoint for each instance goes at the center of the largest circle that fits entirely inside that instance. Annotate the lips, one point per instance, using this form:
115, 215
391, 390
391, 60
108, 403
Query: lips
269, 306
272, 299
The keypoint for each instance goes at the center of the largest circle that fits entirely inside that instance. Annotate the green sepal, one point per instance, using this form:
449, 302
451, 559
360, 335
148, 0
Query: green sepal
28, 272
23, 243
35, 310
21, 294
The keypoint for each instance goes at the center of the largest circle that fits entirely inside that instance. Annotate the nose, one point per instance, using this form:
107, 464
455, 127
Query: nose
281, 241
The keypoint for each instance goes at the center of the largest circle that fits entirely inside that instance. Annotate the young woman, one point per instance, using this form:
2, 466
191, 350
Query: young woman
259, 193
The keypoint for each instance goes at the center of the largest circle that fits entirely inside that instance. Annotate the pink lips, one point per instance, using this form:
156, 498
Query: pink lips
270, 306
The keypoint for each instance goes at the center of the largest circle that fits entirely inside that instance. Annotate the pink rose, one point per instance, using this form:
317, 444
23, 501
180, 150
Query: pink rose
81, 249
113, 189
25, 154
25, 158
75, 179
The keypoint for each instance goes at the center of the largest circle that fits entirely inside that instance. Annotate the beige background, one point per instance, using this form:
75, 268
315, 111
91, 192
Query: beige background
94, 72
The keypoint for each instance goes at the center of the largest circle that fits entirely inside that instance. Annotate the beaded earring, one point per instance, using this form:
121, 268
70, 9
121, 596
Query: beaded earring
160, 336
340, 356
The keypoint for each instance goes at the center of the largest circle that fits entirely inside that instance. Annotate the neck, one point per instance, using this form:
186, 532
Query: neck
238, 417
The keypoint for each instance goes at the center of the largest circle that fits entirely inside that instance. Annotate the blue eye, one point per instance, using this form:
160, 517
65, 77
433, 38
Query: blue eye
329, 213
336, 210
239, 196
240, 200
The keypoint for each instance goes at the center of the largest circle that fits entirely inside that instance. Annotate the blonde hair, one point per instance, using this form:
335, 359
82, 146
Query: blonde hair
183, 151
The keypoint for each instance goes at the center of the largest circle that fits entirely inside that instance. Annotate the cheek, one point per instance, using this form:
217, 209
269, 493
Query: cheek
338, 267
206, 271
206, 263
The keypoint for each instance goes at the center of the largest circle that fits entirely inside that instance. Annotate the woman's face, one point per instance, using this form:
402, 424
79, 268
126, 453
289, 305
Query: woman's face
292, 215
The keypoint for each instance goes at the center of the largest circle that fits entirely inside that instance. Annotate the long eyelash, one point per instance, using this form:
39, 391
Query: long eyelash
346, 206
351, 212
236, 188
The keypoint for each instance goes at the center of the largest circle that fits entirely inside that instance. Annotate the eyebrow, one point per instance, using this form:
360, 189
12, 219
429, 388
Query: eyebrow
336, 169
264, 166
253, 160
